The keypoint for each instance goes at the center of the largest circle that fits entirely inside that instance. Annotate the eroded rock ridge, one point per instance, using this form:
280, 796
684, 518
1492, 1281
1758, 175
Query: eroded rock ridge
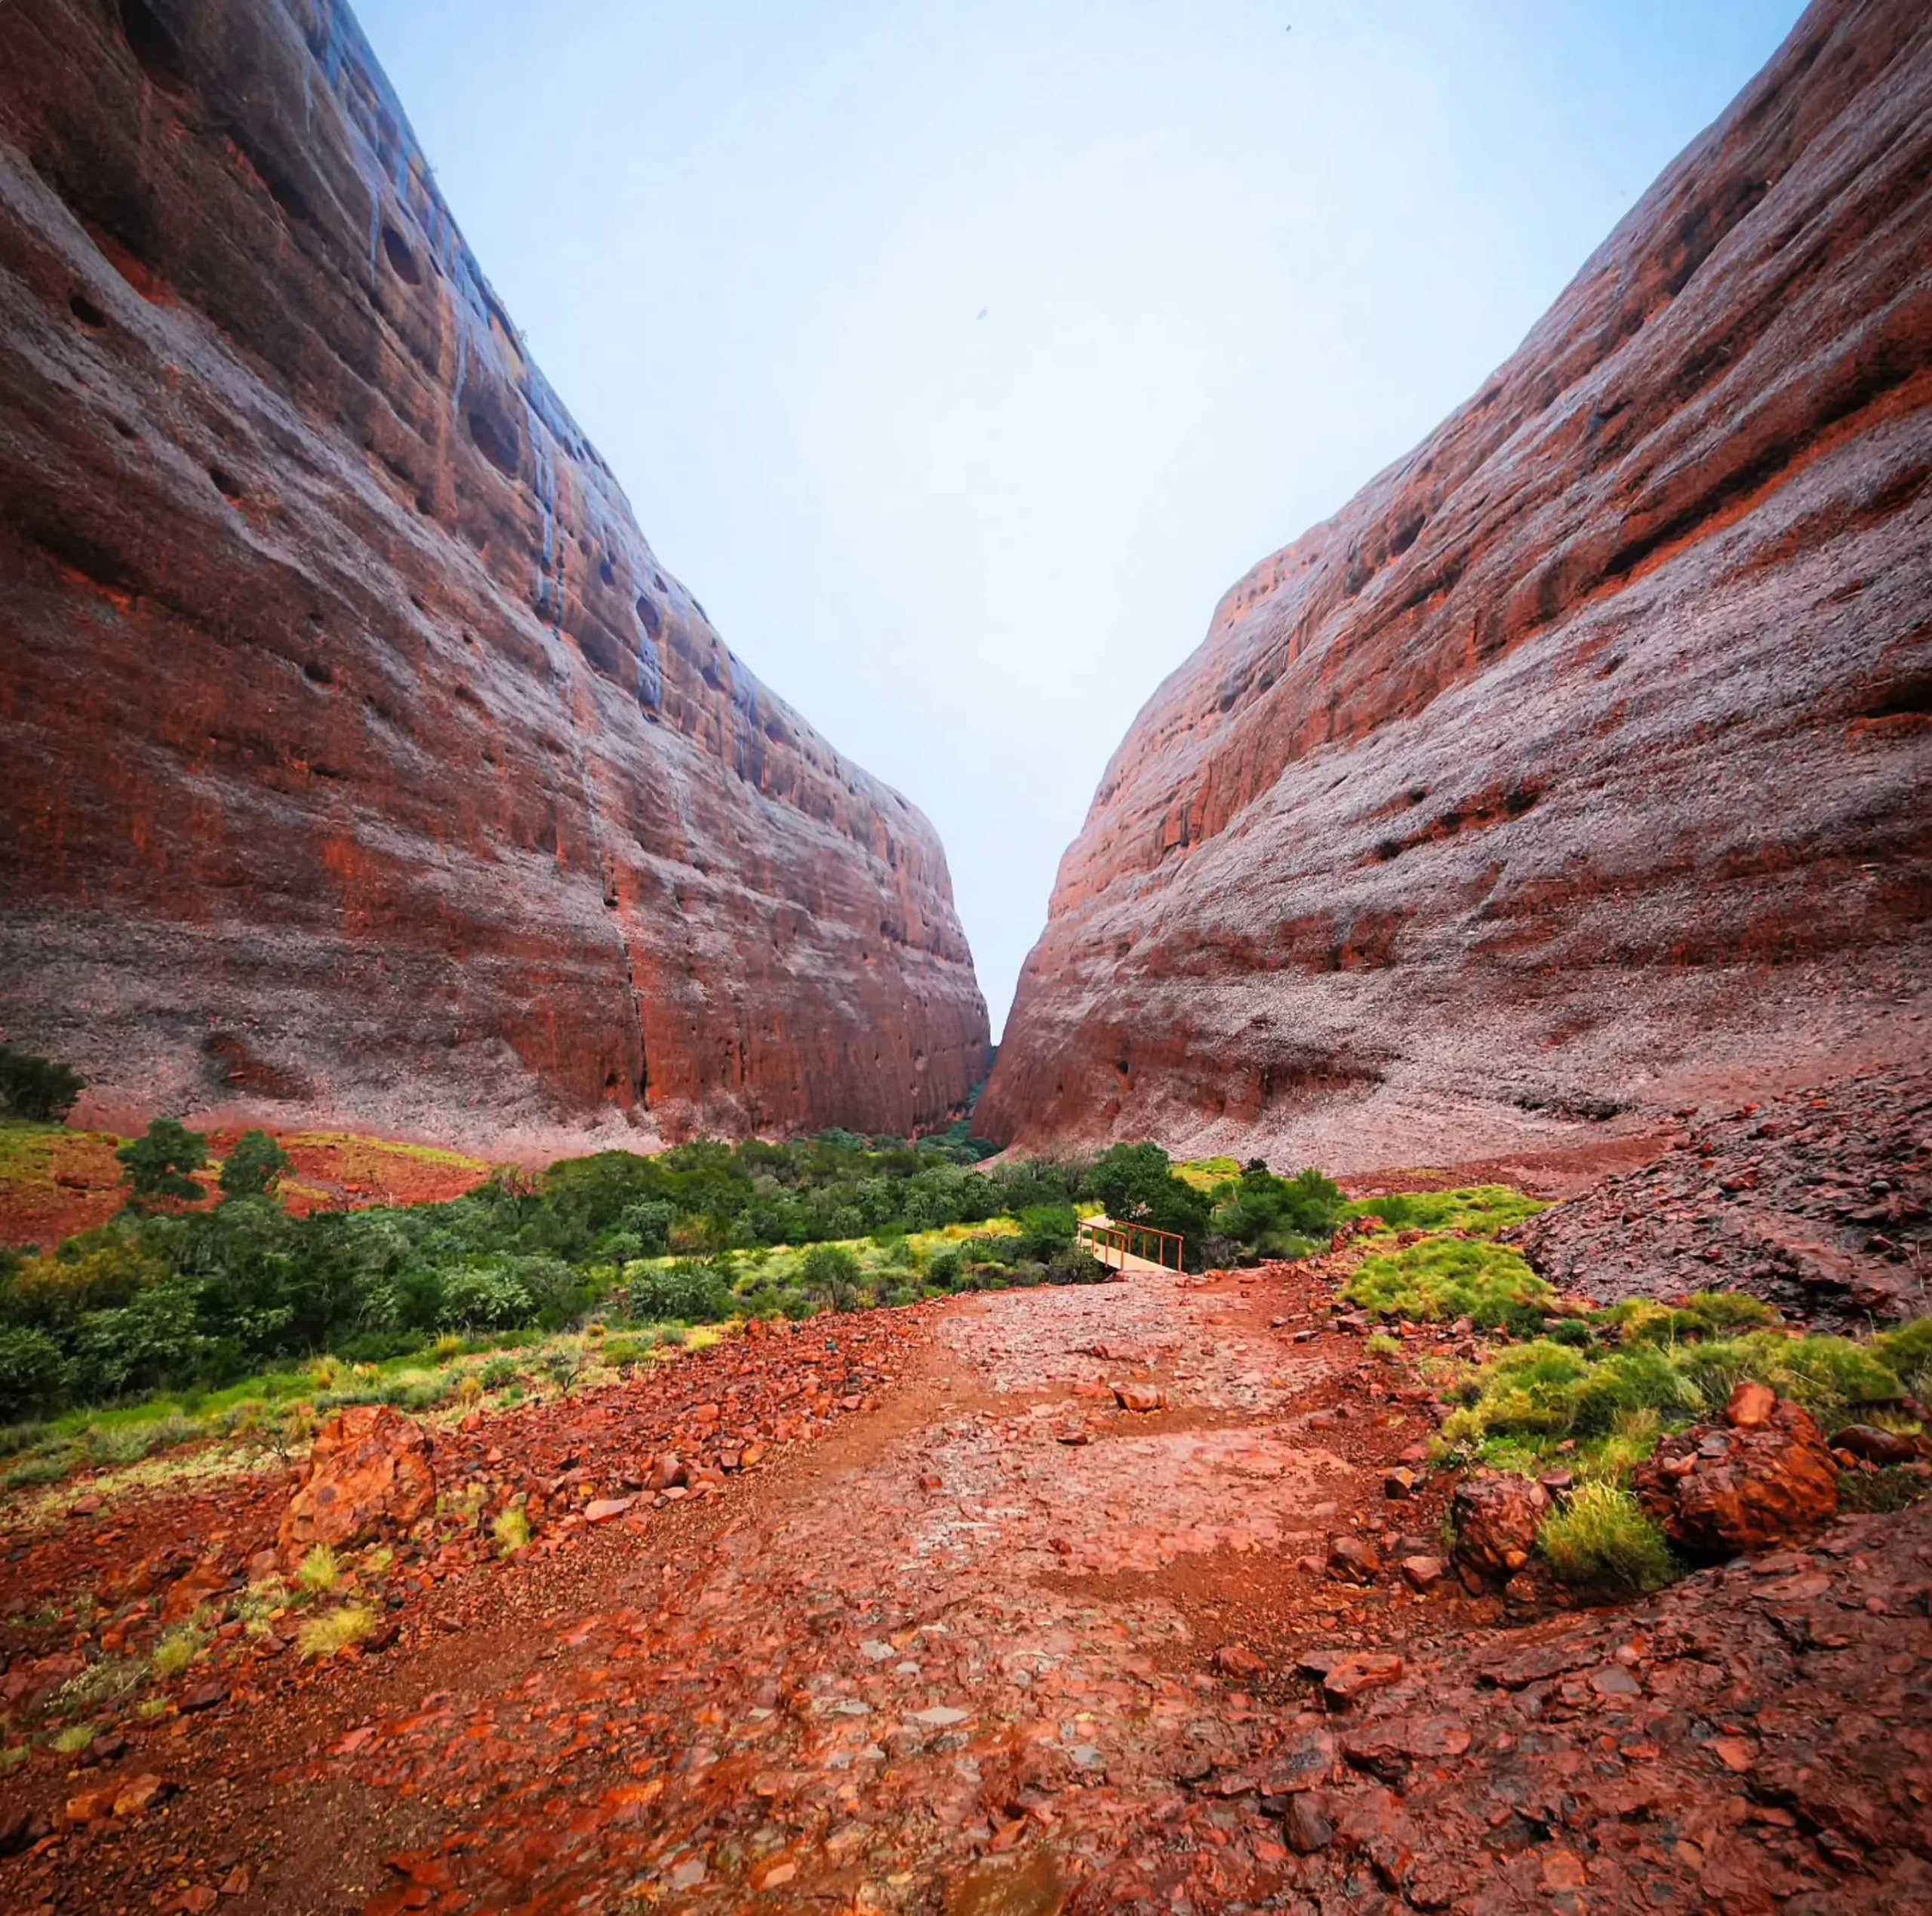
1577, 767
363, 759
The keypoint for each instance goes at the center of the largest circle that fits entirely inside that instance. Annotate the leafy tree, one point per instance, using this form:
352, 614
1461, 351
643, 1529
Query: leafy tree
1135, 1184
830, 1273
157, 1163
36, 1088
254, 1168
33, 1372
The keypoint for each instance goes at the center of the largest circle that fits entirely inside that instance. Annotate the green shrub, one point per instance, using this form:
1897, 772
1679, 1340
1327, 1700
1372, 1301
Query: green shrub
1601, 1536
499, 1371
1907, 1353
688, 1292
830, 1275
31, 1472
36, 1089
1444, 1277
157, 1163
254, 1168
1829, 1375
1137, 1184
33, 1372
178, 1648
1711, 1314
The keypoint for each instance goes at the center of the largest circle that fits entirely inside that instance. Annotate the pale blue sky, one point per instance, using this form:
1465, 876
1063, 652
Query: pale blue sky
1228, 271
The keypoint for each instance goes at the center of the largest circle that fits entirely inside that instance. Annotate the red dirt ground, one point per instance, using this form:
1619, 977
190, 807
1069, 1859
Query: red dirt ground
968, 1638
74, 1183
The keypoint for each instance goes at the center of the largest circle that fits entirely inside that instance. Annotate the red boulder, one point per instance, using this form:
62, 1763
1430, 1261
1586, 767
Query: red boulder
368, 1475
1720, 1490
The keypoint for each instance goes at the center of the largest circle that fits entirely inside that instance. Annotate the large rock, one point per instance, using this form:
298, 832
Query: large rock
1496, 1519
369, 1476
1721, 1490
1578, 762
368, 761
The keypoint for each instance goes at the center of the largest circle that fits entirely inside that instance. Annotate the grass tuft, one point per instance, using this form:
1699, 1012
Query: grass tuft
319, 1573
1601, 1537
324, 1636
511, 1530
177, 1649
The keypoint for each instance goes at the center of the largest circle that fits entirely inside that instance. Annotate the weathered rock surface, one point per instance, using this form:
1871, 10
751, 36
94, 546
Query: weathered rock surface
1578, 763
1818, 1202
1720, 1490
369, 1476
1497, 1518
365, 760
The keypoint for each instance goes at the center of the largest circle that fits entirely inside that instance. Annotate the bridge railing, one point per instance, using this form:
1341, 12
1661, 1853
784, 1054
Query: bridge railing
1113, 1243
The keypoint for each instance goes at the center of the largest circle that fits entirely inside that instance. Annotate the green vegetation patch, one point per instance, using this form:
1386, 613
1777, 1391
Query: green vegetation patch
1481, 1209
1601, 1536
1441, 1278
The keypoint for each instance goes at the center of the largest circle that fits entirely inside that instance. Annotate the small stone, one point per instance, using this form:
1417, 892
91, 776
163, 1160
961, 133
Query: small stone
667, 1472
204, 1696
1751, 1405
139, 1793
1351, 1560
1562, 1870
1237, 1661
1142, 1397
1401, 1483
1363, 1670
1305, 1826
605, 1510
1734, 1753
1422, 1574
1871, 1445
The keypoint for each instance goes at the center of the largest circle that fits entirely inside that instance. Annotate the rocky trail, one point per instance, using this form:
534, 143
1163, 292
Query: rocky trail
978, 1638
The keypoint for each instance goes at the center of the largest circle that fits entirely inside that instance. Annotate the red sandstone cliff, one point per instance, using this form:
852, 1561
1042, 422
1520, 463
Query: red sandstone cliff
361, 759
1582, 762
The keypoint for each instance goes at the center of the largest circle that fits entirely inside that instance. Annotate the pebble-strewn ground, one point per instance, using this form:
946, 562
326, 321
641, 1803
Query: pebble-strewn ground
985, 1641
1819, 1201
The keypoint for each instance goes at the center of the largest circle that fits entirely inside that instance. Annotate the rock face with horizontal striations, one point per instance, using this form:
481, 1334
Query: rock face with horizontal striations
362, 759
1578, 768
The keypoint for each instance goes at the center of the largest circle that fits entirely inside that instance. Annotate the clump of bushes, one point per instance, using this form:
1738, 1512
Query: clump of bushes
1260, 1215
254, 1168
159, 1163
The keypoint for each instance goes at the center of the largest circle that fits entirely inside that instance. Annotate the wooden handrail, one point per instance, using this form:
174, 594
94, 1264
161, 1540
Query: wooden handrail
1123, 1238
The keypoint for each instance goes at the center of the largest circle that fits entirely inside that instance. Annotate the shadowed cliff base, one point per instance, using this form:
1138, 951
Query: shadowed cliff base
1576, 771
378, 773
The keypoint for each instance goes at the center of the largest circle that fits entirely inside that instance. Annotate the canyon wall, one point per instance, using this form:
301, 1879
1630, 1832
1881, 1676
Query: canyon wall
1580, 768
363, 762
